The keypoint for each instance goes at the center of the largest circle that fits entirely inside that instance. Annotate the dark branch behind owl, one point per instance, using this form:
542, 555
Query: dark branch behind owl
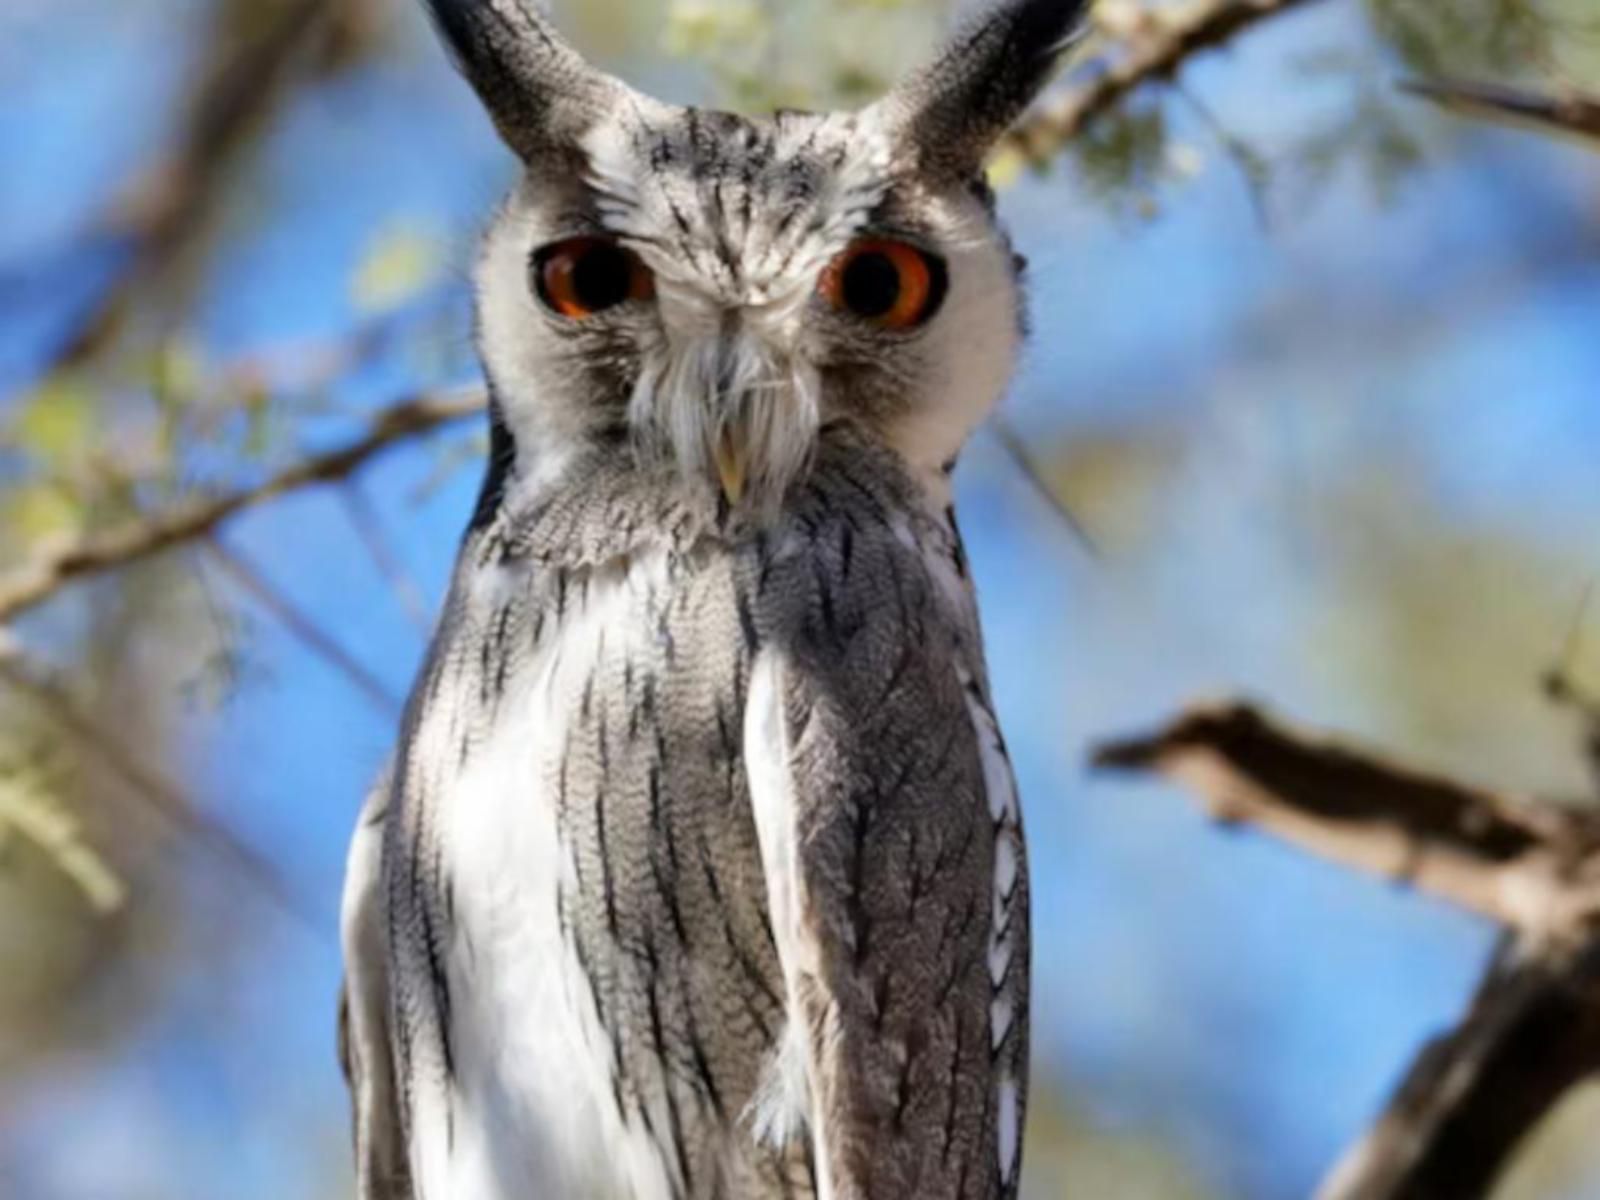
956, 108
539, 91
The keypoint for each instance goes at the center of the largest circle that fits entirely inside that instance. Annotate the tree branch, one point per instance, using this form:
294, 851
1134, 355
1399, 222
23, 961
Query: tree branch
1567, 113
1453, 1125
257, 52
1510, 859
1158, 43
1533, 1030
35, 582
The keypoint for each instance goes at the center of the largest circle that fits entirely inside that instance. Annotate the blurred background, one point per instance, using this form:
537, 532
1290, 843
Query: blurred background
1316, 369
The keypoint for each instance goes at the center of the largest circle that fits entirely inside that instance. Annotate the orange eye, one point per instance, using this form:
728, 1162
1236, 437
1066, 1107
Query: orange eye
584, 276
893, 285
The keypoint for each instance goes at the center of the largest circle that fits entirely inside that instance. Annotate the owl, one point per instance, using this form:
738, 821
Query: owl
698, 872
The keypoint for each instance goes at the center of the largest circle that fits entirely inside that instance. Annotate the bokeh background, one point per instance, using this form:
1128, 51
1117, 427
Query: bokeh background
1316, 368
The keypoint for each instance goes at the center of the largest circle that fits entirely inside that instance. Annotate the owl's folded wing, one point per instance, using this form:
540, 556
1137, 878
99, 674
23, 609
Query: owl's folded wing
364, 1045
904, 966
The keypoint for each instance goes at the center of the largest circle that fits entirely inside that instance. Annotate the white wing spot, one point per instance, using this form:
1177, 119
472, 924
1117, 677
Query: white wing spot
999, 1021
1003, 809
1005, 867
1010, 1118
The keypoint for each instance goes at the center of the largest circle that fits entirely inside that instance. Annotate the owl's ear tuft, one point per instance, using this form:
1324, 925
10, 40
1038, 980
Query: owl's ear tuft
951, 112
539, 91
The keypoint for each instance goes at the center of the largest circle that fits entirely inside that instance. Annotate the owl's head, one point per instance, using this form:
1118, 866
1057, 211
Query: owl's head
712, 290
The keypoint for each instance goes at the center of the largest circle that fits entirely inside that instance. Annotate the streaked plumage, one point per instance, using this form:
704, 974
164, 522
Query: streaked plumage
699, 870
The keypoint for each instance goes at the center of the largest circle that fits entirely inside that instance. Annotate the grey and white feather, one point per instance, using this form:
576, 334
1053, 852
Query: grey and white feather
699, 871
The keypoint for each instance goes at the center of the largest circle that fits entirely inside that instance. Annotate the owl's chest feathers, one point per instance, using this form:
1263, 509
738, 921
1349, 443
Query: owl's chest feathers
601, 886
610, 975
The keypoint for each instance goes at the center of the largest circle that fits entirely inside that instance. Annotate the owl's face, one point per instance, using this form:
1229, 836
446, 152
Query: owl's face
711, 290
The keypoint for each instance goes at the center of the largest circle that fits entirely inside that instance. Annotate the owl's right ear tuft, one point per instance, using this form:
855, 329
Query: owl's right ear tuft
952, 111
539, 91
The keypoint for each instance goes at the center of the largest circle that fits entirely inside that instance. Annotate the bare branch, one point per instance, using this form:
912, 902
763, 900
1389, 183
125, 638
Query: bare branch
1568, 112
1159, 42
35, 582
1513, 860
1532, 1032
1472, 1096
257, 52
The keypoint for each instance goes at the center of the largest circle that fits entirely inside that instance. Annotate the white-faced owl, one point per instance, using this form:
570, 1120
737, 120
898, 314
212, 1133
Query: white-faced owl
698, 872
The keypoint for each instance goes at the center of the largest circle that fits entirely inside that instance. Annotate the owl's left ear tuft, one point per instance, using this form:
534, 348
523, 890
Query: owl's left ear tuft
538, 90
952, 111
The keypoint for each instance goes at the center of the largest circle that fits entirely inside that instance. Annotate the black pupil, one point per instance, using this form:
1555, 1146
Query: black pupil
871, 285
602, 277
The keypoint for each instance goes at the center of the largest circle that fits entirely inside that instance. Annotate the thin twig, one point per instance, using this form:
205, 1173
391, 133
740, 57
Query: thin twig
369, 529
1163, 40
1561, 686
1568, 113
32, 584
1253, 169
1011, 441
302, 626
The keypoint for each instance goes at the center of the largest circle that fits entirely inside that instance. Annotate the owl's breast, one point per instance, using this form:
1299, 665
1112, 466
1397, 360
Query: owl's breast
612, 975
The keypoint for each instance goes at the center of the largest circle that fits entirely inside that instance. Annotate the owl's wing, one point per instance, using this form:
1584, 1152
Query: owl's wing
897, 903
365, 1050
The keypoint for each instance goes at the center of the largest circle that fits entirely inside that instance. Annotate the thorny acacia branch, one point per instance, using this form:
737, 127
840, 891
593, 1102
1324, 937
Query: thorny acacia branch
1533, 1030
37, 581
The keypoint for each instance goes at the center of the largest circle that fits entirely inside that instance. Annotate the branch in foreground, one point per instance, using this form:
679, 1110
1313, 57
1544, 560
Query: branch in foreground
1158, 44
34, 583
1454, 1124
1510, 859
1533, 1030
1569, 113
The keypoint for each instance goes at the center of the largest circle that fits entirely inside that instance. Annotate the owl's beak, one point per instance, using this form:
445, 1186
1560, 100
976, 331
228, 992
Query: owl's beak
732, 464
